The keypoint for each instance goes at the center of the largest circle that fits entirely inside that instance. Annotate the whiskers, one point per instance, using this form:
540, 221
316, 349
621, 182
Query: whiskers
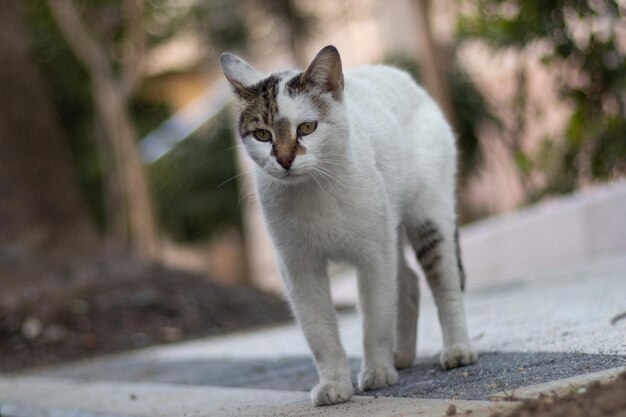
328, 181
315, 171
328, 175
231, 178
332, 169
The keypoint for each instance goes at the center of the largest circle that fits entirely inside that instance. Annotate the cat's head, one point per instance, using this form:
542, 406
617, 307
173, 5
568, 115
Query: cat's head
293, 124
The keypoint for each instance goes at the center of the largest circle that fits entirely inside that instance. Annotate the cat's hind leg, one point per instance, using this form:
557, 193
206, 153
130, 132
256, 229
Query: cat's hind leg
405, 338
437, 253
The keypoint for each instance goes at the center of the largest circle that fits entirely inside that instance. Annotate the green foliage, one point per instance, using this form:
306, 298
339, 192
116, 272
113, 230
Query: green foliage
405, 63
195, 186
68, 85
581, 40
471, 111
608, 156
70, 91
220, 22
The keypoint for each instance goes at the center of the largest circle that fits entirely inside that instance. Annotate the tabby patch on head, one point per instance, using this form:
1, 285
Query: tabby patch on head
291, 122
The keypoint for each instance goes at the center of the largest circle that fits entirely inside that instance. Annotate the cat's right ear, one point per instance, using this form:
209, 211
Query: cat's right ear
325, 71
240, 75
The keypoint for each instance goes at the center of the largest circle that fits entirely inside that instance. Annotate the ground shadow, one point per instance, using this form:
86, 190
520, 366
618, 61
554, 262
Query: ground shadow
494, 373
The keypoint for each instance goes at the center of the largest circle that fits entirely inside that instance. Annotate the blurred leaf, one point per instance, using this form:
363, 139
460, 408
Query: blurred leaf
592, 79
220, 22
196, 192
523, 163
575, 128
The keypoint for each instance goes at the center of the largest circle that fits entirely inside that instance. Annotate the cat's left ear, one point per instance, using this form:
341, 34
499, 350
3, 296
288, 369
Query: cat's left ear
325, 71
240, 75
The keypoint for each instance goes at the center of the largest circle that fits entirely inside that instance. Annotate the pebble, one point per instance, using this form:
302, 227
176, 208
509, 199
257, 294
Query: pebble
31, 328
171, 334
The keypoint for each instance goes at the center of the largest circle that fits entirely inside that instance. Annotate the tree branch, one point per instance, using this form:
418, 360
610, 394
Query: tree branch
433, 73
80, 41
134, 45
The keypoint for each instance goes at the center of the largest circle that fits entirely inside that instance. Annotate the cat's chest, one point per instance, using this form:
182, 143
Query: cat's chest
323, 223
313, 215
310, 218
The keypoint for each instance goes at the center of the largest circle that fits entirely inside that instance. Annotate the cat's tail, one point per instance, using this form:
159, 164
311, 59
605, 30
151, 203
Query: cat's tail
458, 258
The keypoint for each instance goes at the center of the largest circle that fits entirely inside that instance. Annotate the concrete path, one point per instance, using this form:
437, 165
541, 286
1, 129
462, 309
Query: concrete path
48, 397
536, 331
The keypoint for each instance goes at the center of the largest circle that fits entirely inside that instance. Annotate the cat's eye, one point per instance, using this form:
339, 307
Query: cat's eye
262, 135
306, 128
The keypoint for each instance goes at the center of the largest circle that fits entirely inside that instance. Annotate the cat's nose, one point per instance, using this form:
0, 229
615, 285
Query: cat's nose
285, 161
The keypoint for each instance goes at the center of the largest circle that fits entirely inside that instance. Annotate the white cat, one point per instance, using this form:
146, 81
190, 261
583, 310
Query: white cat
344, 168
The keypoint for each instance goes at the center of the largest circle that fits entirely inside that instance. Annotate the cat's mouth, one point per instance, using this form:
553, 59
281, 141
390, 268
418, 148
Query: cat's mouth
289, 175
293, 174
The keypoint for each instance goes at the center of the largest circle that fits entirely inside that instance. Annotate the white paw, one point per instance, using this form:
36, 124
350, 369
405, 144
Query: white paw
459, 354
403, 360
332, 392
380, 377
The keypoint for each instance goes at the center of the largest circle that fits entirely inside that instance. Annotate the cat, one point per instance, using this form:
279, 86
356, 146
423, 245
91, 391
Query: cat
345, 166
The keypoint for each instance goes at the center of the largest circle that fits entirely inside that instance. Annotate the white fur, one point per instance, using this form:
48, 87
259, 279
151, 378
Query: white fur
384, 161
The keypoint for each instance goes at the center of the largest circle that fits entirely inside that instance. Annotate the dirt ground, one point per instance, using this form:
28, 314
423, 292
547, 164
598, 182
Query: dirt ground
55, 311
594, 400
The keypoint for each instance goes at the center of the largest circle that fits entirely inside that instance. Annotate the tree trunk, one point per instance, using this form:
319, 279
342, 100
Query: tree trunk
130, 179
432, 68
41, 208
116, 220
111, 94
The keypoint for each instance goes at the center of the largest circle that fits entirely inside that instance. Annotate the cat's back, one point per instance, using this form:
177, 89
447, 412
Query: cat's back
378, 87
396, 124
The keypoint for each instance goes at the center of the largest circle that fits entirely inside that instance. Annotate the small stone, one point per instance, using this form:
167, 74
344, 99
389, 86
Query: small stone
139, 339
89, 341
78, 306
31, 328
451, 411
170, 334
54, 334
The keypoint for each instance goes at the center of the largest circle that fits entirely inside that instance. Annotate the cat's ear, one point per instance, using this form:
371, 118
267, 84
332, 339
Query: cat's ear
240, 75
325, 71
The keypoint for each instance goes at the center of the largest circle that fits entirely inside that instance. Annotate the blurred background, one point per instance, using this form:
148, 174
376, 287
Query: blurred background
119, 162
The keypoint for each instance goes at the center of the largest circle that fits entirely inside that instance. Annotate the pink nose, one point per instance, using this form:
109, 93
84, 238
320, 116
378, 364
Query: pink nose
285, 161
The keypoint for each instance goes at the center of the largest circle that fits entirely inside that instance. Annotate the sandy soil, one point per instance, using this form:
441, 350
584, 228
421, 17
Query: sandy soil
52, 312
594, 400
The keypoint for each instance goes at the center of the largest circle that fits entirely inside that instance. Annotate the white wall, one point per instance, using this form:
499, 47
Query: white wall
574, 229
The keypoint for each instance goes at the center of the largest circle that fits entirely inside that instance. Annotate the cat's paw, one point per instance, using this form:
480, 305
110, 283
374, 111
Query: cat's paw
403, 360
379, 377
332, 392
459, 354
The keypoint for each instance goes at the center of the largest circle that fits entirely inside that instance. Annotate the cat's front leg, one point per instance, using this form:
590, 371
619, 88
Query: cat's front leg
308, 289
377, 298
